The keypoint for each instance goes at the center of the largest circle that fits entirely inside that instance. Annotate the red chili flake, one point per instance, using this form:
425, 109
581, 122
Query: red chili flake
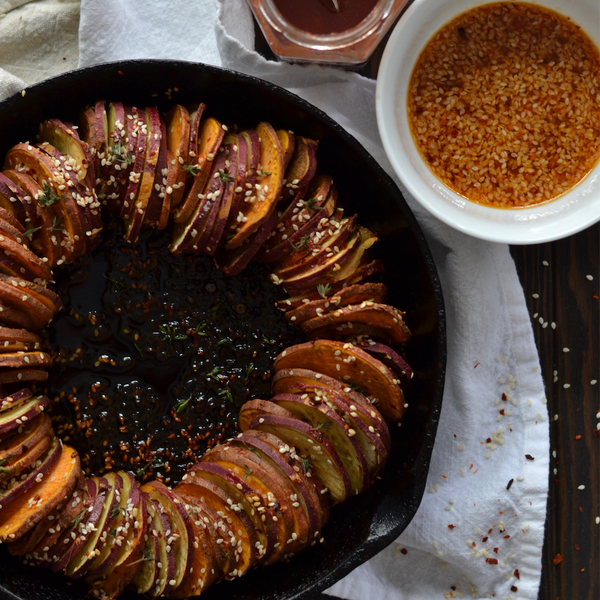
404, 551
597, 434
577, 547
473, 544
496, 550
504, 397
453, 588
471, 466
557, 559
529, 457
509, 484
514, 588
501, 412
485, 539
581, 509
595, 297
488, 441
491, 561
476, 365
577, 437
444, 477
475, 471
517, 574
451, 526
506, 537
501, 512
490, 530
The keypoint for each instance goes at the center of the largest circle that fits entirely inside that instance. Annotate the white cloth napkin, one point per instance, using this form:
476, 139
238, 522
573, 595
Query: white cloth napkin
494, 411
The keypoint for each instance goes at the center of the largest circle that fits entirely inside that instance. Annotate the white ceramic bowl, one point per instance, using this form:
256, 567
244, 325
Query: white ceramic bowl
562, 217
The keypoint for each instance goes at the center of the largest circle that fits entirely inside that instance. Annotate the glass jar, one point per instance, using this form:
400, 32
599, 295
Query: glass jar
348, 47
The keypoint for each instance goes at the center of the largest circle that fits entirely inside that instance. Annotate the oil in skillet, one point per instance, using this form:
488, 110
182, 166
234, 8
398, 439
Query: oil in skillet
324, 16
155, 354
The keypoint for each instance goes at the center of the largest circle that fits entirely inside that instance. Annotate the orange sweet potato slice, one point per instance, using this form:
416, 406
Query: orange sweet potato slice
288, 143
178, 145
24, 512
257, 208
210, 136
350, 365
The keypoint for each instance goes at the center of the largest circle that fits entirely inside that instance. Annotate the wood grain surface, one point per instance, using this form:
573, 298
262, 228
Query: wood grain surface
558, 289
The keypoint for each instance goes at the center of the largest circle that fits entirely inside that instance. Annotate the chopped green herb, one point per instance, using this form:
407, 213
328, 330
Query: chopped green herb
115, 512
171, 334
121, 154
115, 284
303, 242
201, 329
324, 425
214, 373
263, 173
247, 472
224, 176
142, 470
77, 520
306, 465
252, 449
226, 393
137, 347
323, 289
218, 312
31, 231
113, 532
193, 170
266, 340
56, 224
48, 196
182, 405
224, 341
249, 370
311, 204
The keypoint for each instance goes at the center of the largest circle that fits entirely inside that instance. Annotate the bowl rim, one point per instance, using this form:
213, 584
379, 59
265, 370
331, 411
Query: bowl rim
566, 215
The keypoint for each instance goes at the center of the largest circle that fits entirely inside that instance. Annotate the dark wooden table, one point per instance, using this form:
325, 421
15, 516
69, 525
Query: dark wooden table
557, 288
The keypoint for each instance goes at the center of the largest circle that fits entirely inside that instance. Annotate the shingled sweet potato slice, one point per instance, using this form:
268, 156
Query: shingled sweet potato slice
353, 294
312, 445
257, 207
268, 492
9, 230
298, 381
287, 141
388, 357
178, 144
255, 408
29, 435
38, 221
8, 217
93, 129
16, 259
386, 319
270, 448
144, 576
33, 505
210, 136
159, 206
15, 417
18, 464
15, 399
351, 365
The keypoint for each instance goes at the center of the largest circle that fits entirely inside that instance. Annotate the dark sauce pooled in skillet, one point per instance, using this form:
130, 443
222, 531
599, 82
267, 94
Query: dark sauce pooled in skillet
156, 353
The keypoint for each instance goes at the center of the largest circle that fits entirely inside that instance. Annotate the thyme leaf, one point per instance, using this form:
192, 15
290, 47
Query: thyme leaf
193, 170
311, 204
171, 334
31, 231
323, 290
226, 393
121, 154
303, 242
48, 196
182, 405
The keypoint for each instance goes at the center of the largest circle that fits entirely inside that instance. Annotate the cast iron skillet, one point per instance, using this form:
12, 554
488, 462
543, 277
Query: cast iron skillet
364, 525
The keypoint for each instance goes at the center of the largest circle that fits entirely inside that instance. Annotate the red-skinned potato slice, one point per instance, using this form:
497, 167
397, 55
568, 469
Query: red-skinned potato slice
59, 517
352, 366
144, 577
202, 571
12, 201
133, 225
15, 399
137, 134
38, 224
353, 294
128, 497
155, 210
181, 536
178, 144
12, 489
288, 143
229, 177
196, 112
299, 381
254, 408
311, 444
275, 488
210, 136
30, 434
241, 146
129, 560
206, 502
22, 376
387, 319
81, 561
15, 466
9, 218
388, 357
364, 270
33, 505
317, 190
257, 207
193, 234
57, 550
267, 448
265, 492
239, 552
298, 237
14, 418
254, 542
55, 196
233, 262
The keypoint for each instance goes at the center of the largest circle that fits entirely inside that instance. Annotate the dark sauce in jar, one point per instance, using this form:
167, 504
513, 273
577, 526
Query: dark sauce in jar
321, 17
155, 354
